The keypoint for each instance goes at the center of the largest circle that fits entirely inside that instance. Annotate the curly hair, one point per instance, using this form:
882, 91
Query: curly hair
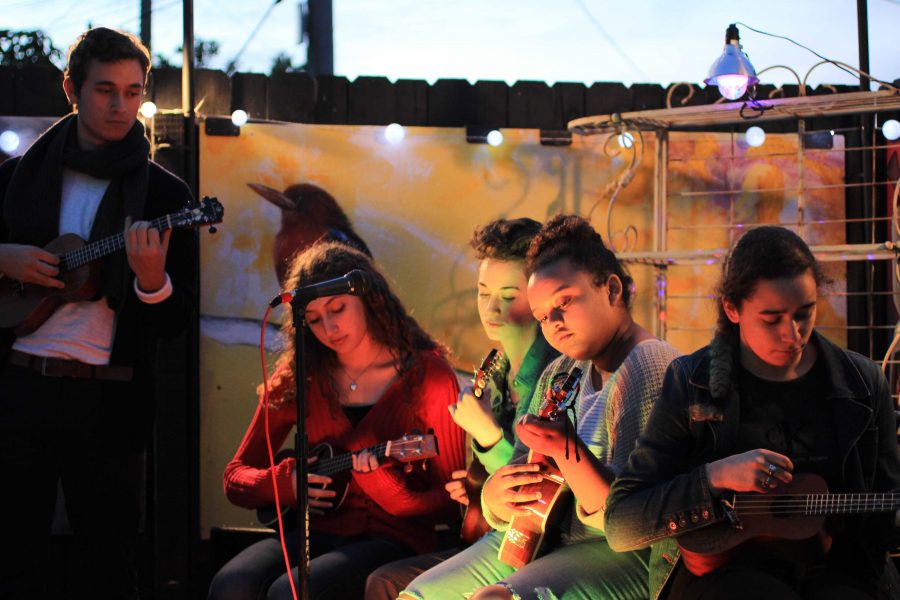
504, 239
386, 319
107, 46
763, 253
571, 238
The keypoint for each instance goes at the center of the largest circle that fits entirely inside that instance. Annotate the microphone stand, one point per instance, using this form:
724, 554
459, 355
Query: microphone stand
298, 306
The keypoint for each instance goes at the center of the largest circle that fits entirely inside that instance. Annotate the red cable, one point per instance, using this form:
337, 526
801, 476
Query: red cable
284, 551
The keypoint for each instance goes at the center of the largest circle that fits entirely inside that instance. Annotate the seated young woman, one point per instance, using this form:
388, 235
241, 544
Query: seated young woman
500, 246
373, 375
580, 294
769, 404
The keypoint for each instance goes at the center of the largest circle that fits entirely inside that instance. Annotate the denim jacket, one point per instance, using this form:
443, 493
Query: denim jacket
664, 492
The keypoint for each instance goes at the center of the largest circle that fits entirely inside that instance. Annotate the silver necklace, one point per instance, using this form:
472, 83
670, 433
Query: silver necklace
353, 380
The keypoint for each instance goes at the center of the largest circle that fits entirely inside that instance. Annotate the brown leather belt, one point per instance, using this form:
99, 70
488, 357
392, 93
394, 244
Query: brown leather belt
58, 367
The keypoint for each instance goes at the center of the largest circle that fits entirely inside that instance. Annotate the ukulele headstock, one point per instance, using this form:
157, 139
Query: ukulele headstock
412, 447
561, 394
490, 364
208, 212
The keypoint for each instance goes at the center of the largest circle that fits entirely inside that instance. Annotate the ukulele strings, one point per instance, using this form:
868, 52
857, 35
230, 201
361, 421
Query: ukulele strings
343, 462
91, 252
816, 504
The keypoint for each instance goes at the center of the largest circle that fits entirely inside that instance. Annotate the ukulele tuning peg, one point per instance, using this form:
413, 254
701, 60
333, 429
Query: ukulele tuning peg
407, 468
425, 465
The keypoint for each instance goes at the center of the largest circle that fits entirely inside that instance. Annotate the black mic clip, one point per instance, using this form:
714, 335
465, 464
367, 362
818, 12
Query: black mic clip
354, 283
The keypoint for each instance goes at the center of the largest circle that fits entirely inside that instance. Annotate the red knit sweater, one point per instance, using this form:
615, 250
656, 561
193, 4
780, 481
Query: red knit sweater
386, 502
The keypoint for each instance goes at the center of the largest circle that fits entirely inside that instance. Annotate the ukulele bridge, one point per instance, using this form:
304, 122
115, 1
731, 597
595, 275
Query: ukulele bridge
733, 520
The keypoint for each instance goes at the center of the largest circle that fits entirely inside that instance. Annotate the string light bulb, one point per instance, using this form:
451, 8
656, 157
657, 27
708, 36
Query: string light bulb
239, 117
394, 133
755, 136
148, 109
890, 129
625, 140
9, 141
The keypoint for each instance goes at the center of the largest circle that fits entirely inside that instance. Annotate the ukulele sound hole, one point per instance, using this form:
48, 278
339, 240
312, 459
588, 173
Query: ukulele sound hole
781, 507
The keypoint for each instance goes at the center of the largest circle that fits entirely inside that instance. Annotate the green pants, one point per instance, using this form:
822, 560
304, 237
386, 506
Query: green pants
583, 571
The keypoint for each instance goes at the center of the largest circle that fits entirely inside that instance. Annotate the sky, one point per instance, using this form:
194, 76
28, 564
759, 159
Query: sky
640, 41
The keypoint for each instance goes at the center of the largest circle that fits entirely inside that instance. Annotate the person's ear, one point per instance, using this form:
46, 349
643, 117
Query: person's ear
69, 89
731, 311
614, 285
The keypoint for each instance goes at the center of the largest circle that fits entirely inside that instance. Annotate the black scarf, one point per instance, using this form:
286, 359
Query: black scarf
32, 204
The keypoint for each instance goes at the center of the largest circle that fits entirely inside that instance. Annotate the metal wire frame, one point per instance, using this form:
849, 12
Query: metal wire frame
797, 109
730, 113
662, 258
740, 226
758, 155
842, 186
829, 253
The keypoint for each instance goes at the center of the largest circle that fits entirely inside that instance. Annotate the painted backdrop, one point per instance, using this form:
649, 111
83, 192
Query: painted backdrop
416, 204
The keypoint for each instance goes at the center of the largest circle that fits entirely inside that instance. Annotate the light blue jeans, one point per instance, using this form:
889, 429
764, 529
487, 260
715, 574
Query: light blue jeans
583, 571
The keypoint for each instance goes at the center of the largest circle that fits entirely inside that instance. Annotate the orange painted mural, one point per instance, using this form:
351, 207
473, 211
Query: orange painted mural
416, 203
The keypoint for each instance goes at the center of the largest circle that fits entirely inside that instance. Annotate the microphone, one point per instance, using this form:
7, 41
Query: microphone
355, 283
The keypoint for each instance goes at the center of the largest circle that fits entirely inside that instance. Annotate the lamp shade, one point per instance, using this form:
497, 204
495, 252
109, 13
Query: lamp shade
732, 71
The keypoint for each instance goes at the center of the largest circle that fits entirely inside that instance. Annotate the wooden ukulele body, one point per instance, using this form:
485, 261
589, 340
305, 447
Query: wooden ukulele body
25, 306
707, 548
527, 535
474, 525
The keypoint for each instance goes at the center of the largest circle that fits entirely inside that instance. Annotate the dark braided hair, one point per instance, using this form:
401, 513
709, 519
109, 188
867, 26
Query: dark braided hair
767, 252
763, 253
572, 238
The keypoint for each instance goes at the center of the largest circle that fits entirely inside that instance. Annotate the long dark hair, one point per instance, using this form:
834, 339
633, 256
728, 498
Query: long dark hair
763, 253
386, 319
572, 238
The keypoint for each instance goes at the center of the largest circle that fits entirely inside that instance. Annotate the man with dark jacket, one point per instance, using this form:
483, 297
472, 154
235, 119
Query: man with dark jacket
76, 380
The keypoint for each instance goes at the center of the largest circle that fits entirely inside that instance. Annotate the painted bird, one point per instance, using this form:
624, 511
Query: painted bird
308, 214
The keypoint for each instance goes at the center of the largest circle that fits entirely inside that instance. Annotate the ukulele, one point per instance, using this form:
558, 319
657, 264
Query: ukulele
25, 306
796, 511
527, 535
409, 448
473, 524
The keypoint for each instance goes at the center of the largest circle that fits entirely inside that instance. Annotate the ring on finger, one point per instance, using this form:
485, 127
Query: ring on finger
772, 468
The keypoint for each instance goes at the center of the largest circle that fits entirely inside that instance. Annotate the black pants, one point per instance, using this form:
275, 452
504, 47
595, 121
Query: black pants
80, 432
747, 582
338, 568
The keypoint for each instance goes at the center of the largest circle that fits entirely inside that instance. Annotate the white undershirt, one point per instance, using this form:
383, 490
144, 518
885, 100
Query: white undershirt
81, 331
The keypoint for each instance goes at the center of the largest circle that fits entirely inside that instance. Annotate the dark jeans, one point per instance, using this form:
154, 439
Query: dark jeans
59, 429
338, 568
386, 582
741, 582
